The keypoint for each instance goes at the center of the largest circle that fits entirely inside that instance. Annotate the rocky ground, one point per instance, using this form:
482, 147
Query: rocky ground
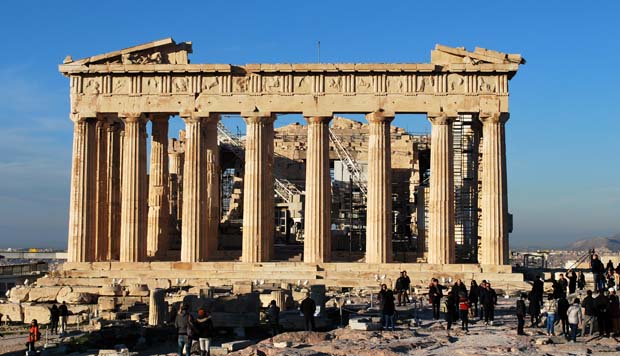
429, 338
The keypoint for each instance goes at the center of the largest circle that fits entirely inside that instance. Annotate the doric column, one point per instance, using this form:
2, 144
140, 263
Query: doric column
258, 201
83, 186
193, 230
101, 200
113, 182
175, 153
133, 190
494, 190
157, 232
379, 204
317, 215
213, 184
441, 249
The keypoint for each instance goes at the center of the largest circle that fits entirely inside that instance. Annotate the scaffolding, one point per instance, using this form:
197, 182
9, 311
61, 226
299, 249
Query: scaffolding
284, 189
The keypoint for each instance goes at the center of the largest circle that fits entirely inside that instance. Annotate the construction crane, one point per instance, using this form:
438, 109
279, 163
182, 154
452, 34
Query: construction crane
350, 163
283, 188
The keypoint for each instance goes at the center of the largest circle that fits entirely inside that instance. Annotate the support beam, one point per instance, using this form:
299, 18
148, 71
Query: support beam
494, 193
317, 215
379, 204
258, 193
441, 246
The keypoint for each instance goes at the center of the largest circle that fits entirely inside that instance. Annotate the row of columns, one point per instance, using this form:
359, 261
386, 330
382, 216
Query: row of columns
144, 227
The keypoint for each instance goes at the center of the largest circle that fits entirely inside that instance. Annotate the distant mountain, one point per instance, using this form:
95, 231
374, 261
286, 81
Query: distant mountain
597, 243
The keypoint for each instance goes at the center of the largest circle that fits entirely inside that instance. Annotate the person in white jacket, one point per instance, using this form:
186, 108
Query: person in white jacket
574, 319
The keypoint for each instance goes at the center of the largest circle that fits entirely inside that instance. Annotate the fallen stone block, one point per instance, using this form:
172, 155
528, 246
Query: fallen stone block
106, 303
243, 287
39, 312
19, 294
12, 312
282, 345
43, 294
237, 345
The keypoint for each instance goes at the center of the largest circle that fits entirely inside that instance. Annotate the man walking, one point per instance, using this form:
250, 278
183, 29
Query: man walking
64, 315
435, 295
402, 288
574, 319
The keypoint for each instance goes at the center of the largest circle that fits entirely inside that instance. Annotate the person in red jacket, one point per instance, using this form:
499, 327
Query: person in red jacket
33, 334
464, 311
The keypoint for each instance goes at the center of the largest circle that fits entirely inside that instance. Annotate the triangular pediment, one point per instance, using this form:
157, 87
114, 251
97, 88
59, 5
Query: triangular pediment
448, 55
164, 51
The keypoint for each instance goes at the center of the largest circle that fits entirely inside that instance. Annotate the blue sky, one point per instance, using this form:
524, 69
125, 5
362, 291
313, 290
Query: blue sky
562, 138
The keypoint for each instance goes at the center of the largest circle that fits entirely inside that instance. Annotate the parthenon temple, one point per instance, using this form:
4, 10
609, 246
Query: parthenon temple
332, 194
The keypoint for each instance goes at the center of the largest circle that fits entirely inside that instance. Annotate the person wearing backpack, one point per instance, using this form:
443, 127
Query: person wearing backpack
204, 331
34, 335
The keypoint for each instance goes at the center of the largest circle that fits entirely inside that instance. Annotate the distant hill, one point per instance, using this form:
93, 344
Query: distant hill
597, 243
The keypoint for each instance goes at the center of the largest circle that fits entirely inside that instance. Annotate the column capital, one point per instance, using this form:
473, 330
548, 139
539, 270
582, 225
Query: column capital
318, 119
258, 117
494, 117
212, 119
79, 116
131, 117
380, 116
441, 118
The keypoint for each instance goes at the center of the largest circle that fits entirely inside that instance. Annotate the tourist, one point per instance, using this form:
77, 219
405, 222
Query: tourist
435, 295
464, 311
539, 288
574, 319
387, 310
489, 302
614, 312
482, 290
402, 288
204, 330
54, 318
182, 324
598, 271
581, 280
1, 315
572, 281
450, 309
550, 309
562, 285
521, 314
459, 290
308, 308
273, 318
562, 314
474, 293
610, 266
601, 305
34, 335
534, 309
64, 315
590, 318
617, 280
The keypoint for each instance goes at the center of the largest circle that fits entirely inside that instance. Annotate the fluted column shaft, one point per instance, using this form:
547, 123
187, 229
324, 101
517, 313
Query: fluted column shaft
258, 200
157, 233
101, 201
441, 245
133, 190
379, 204
213, 184
193, 230
317, 215
83, 186
494, 190
113, 183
